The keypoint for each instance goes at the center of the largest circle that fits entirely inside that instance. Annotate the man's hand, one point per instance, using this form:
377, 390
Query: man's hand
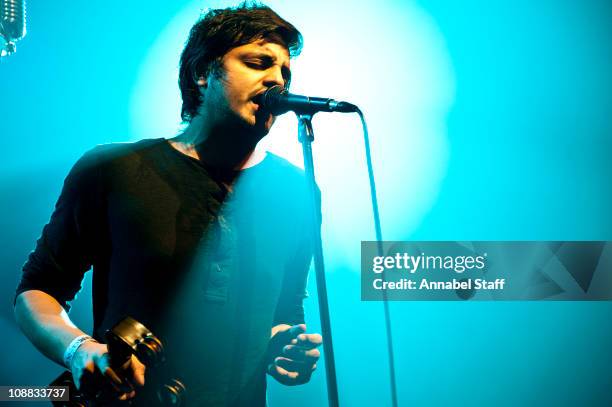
45, 322
293, 355
93, 374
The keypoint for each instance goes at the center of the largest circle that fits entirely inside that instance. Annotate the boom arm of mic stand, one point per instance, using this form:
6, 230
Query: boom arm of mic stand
306, 137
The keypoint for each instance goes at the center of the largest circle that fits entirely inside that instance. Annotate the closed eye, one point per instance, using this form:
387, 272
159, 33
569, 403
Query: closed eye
259, 63
263, 62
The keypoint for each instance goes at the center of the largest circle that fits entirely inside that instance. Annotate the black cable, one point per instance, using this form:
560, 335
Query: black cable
379, 241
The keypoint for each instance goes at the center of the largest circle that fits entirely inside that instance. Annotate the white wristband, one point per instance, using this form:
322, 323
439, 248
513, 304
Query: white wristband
72, 348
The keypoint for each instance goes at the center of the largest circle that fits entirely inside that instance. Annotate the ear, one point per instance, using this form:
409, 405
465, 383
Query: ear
201, 81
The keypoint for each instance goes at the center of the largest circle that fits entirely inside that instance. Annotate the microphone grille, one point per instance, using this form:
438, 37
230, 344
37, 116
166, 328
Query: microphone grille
13, 19
271, 100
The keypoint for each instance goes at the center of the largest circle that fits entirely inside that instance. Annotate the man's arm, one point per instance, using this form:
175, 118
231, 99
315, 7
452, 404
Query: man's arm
53, 273
46, 324
292, 353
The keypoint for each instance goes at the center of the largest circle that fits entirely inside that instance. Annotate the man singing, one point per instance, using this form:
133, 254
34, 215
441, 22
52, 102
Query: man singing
202, 238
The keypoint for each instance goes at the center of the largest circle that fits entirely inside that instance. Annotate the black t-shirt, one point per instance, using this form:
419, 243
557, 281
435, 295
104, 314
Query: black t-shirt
209, 269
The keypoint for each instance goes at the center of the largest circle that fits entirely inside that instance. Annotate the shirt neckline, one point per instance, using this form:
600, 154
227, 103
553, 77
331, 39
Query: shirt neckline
194, 160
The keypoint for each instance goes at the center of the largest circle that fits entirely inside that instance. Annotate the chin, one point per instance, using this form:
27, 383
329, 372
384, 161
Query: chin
269, 121
263, 122
262, 130
252, 129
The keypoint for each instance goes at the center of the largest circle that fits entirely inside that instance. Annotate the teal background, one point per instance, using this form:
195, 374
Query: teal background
526, 142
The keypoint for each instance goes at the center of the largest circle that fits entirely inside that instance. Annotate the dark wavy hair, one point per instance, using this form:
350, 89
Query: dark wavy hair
221, 30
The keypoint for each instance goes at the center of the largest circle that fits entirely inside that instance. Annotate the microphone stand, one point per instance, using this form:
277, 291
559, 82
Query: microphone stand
306, 137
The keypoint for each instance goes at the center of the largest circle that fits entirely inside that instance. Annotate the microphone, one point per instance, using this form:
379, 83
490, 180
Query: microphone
277, 101
12, 23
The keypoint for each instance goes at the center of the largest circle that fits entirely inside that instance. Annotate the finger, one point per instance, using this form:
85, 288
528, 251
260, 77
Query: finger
288, 336
309, 341
80, 375
77, 381
127, 396
293, 366
117, 384
103, 364
281, 373
138, 370
115, 381
293, 332
300, 353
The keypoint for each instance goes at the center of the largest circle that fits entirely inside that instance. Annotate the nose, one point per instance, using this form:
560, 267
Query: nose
274, 76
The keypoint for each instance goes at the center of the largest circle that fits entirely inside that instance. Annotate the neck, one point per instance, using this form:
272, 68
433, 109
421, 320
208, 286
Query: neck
225, 148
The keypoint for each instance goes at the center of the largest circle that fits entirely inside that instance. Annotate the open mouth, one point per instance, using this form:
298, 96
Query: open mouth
257, 99
261, 109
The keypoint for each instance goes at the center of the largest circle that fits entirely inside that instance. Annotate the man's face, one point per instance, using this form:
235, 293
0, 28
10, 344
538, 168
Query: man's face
246, 72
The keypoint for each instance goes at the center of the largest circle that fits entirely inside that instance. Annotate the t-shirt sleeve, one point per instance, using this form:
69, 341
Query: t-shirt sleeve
65, 249
290, 308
